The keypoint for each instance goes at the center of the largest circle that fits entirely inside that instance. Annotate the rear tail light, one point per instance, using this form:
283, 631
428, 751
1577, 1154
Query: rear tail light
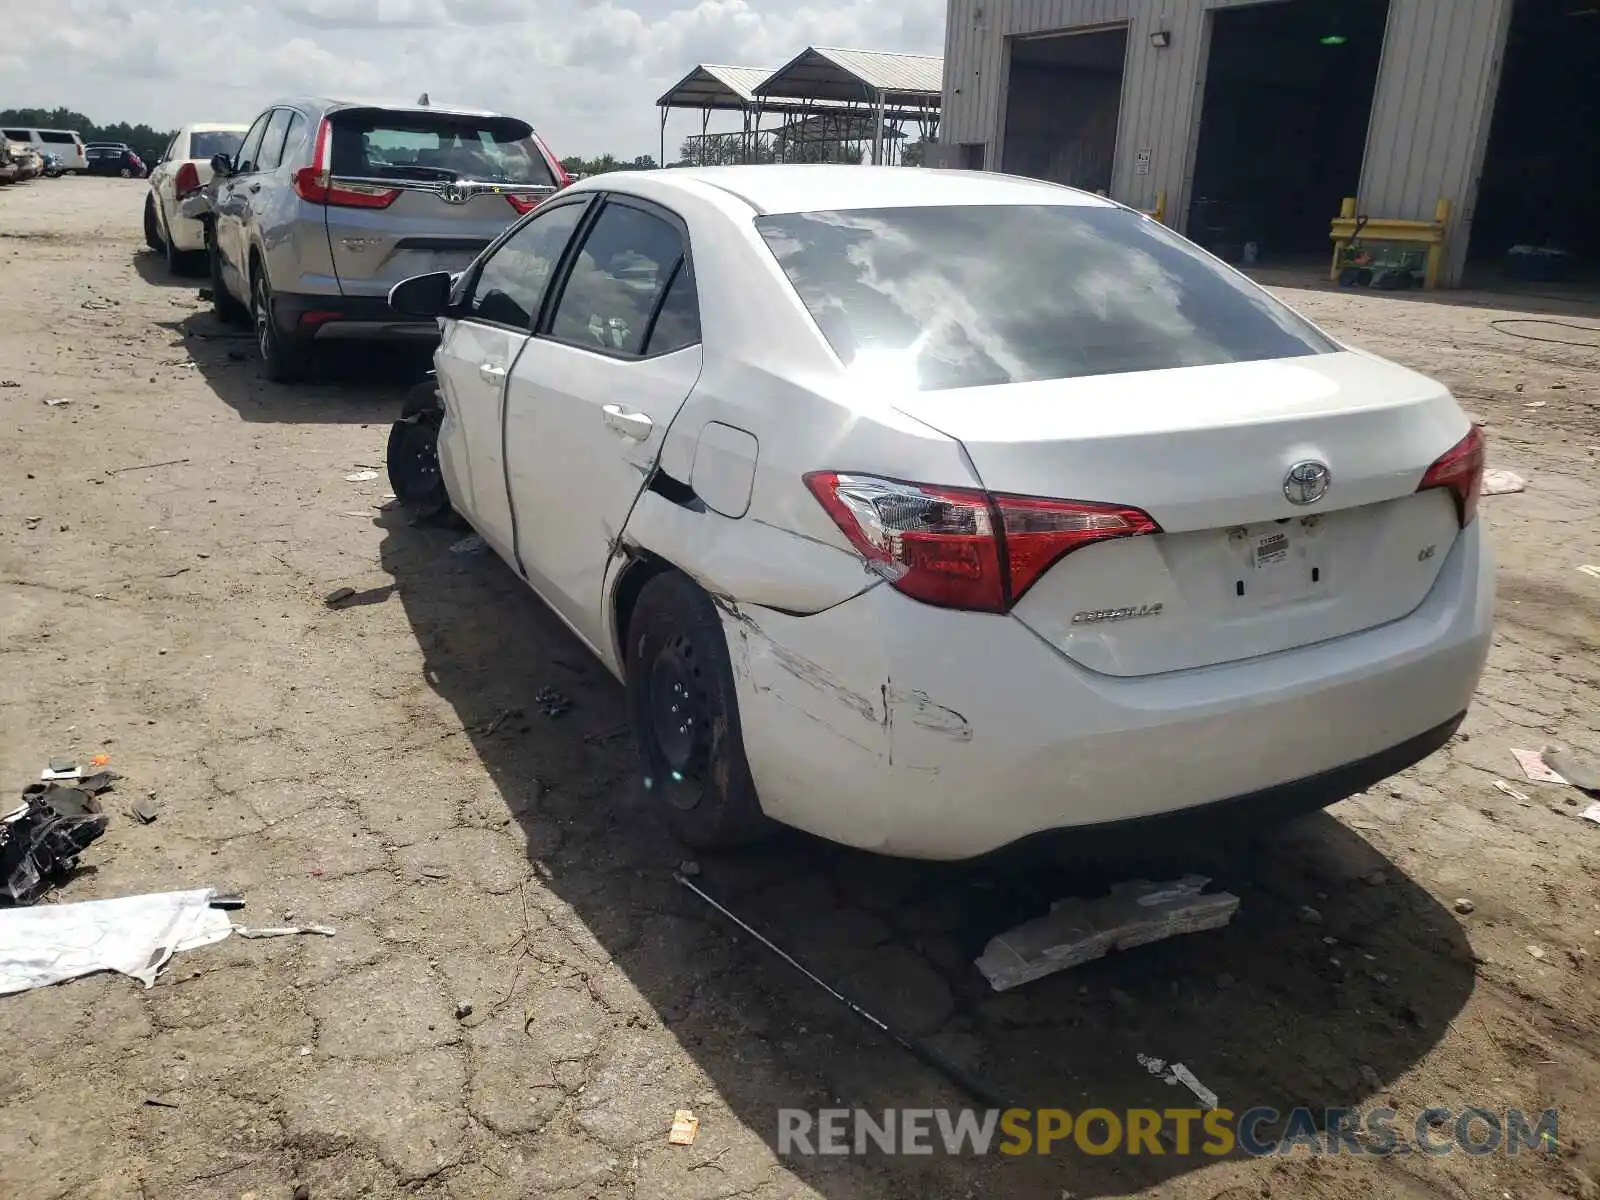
963, 548
315, 183
556, 169
186, 180
523, 203
1460, 469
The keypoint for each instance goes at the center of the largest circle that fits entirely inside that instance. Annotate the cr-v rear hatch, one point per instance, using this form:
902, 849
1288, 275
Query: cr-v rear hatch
1176, 470
407, 191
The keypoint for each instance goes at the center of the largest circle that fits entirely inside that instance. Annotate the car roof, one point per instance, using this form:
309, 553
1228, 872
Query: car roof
328, 104
823, 186
215, 127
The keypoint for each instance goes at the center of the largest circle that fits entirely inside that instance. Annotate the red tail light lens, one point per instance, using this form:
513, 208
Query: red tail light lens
960, 547
315, 183
523, 203
186, 180
556, 169
1460, 469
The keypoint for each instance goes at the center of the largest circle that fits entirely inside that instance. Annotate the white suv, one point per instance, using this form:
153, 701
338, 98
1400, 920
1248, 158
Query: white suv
65, 144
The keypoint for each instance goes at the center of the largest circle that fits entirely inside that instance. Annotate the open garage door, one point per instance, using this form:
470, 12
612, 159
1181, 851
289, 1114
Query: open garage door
1062, 102
1283, 124
1538, 209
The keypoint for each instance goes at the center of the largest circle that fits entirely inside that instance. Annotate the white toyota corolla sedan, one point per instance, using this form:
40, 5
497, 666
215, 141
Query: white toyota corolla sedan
931, 510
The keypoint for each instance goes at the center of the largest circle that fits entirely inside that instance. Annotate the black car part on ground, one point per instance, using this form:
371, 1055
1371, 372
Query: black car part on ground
41, 840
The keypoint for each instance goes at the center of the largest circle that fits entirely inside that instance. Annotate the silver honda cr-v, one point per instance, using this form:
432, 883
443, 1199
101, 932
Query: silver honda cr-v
328, 204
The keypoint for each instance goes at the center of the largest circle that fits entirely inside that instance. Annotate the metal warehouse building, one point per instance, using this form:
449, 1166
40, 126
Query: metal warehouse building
1249, 121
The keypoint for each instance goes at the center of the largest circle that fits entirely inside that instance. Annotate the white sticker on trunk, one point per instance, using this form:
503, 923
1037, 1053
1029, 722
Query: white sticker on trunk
1271, 549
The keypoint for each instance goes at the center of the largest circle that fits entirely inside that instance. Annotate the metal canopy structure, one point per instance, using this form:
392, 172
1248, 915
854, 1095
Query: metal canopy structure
892, 89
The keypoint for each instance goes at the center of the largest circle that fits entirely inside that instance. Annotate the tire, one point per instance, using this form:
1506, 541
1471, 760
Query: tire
282, 359
126, 172
413, 455
152, 224
685, 716
229, 311
179, 262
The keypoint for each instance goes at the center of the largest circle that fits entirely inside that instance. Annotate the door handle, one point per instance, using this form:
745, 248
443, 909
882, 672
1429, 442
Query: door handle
491, 372
630, 424
255, 187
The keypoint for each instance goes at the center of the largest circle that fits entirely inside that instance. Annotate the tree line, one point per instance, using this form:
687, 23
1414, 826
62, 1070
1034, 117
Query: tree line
146, 142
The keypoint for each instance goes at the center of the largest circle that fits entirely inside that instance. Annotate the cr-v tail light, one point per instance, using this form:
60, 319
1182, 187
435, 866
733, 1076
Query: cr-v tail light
960, 547
315, 183
1460, 469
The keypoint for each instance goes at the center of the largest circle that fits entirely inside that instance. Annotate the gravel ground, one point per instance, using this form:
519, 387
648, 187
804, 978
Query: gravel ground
382, 768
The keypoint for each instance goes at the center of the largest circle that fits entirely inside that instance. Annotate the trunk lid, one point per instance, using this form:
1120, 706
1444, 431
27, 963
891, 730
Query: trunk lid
1238, 570
451, 176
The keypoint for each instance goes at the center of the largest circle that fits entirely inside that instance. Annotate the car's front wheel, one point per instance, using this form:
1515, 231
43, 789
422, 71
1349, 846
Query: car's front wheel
413, 458
152, 225
126, 172
685, 716
282, 359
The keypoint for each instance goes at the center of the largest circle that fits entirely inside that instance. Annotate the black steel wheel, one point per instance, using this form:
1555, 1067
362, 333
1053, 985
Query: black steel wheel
686, 716
152, 224
413, 457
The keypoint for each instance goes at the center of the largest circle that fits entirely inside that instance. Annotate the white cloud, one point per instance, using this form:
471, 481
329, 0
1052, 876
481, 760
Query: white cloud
585, 72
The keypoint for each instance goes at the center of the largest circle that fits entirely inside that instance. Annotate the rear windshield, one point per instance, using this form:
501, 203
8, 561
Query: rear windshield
986, 294
386, 145
103, 152
209, 142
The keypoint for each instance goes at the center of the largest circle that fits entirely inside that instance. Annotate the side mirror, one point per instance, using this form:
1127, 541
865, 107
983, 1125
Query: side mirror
221, 165
422, 295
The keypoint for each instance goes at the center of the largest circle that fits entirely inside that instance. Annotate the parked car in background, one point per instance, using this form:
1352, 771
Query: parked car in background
328, 204
26, 162
114, 158
184, 168
928, 511
8, 163
54, 168
66, 144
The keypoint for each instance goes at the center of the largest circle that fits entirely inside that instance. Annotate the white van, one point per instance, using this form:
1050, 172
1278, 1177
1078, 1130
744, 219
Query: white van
65, 144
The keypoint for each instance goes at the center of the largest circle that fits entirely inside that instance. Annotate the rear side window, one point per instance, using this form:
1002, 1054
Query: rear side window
55, 137
678, 322
373, 144
18, 135
987, 294
625, 264
207, 144
272, 141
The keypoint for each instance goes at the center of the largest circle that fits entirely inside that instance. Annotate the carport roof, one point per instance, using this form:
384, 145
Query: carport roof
829, 73
712, 86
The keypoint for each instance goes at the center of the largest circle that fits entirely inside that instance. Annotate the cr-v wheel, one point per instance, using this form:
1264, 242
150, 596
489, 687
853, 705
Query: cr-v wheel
685, 716
283, 360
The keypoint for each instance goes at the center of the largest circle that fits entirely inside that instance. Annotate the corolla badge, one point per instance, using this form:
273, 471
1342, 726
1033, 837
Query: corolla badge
1306, 483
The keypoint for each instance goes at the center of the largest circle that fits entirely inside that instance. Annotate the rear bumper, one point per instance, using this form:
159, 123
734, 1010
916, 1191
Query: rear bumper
355, 318
916, 731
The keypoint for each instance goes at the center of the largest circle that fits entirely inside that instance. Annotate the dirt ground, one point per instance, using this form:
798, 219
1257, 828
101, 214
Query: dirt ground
356, 767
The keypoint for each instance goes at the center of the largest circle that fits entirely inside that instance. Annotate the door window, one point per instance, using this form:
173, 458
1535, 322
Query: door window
245, 161
511, 283
294, 137
626, 262
271, 152
678, 323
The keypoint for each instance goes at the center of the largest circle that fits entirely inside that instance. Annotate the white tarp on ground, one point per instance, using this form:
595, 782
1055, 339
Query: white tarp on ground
136, 935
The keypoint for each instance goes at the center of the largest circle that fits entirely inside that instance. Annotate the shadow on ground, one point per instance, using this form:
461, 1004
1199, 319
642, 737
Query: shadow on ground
1283, 1008
350, 381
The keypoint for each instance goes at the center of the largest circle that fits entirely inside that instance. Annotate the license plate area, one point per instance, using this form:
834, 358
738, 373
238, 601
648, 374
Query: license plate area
1279, 562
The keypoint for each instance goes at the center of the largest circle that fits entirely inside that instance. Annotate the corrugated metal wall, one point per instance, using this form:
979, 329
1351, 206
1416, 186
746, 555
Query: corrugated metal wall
1429, 124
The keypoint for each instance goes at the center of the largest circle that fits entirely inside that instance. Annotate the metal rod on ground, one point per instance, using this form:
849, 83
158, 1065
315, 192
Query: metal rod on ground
975, 1088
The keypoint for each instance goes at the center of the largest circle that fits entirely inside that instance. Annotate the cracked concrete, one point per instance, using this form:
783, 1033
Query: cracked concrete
335, 766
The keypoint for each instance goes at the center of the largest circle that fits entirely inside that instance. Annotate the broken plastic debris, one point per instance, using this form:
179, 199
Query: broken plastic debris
551, 702
134, 935
58, 401
1178, 1073
1075, 931
1592, 813
361, 476
1501, 483
471, 544
283, 931
336, 597
1502, 785
1590, 570
685, 1128
1533, 766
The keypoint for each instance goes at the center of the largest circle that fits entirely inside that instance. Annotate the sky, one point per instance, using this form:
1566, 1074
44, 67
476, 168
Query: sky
585, 73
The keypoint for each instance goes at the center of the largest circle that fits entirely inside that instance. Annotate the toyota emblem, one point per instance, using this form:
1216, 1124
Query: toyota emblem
1306, 482
455, 193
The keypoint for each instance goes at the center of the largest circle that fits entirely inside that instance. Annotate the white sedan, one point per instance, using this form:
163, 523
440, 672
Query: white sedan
185, 167
927, 510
